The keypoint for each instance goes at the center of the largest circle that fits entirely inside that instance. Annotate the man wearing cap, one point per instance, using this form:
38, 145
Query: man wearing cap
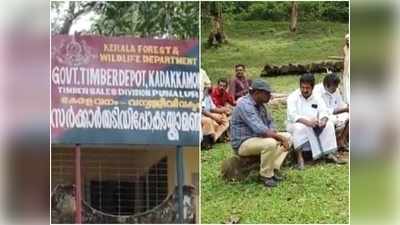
253, 132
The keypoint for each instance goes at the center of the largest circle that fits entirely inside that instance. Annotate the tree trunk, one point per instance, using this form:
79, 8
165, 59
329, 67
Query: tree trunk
217, 35
66, 26
293, 17
73, 13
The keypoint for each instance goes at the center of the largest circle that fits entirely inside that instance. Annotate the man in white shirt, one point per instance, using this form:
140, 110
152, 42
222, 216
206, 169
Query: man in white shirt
337, 108
308, 122
345, 84
214, 121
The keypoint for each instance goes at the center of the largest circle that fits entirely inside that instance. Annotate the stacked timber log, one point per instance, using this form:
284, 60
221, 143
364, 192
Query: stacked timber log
315, 67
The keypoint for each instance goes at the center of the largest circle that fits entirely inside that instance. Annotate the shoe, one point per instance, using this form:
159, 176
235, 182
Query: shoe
269, 182
206, 143
278, 176
332, 159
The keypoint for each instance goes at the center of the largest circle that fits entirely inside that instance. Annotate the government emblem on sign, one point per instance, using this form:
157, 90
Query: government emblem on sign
73, 53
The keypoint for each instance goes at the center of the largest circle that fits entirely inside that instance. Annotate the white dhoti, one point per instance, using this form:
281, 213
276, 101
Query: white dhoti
320, 146
339, 120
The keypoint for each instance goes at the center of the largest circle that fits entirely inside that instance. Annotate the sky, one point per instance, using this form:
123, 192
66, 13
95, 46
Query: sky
84, 22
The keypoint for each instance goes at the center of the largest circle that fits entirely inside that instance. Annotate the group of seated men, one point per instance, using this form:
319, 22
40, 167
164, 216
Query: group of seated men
218, 103
317, 121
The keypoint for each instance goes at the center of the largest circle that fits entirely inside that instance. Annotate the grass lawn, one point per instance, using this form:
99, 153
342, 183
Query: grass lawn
257, 43
319, 194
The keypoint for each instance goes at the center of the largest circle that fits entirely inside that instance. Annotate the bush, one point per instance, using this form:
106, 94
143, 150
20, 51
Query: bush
275, 11
336, 11
280, 11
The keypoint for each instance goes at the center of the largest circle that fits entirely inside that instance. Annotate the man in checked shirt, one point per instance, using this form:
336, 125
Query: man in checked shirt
253, 132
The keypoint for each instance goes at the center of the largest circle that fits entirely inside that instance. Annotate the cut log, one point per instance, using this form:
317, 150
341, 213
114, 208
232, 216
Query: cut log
237, 168
298, 69
301, 69
284, 69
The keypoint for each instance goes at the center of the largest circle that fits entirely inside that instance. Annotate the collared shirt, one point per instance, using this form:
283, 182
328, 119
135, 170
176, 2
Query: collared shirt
207, 104
344, 86
221, 97
249, 120
332, 101
300, 107
239, 87
205, 81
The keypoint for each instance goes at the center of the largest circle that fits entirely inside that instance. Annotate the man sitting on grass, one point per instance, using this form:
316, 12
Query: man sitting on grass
338, 110
253, 132
307, 121
221, 97
214, 121
239, 85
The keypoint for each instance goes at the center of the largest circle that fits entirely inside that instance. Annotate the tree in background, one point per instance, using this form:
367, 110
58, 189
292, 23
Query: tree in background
217, 35
216, 15
142, 19
293, 17
149, 19
335, 11
64, 14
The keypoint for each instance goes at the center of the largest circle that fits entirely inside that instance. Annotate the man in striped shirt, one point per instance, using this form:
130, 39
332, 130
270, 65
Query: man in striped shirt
253, 132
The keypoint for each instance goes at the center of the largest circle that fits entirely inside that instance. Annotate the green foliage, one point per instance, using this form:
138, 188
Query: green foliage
64, 14
56, 19
274, 11
327, 11
337, 11
144, 19
148, 19
280, 11
210, 9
